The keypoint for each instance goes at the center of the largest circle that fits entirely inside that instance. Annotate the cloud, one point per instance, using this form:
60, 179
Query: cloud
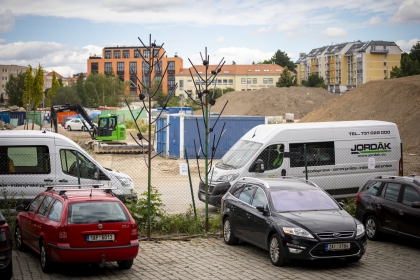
334, 32
50, 55
7, 21
408, 12
2, 41
136, 5
406, 46
220, 40
375, 20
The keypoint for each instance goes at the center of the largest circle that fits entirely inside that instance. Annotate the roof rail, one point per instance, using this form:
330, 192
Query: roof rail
74, 187
301, 179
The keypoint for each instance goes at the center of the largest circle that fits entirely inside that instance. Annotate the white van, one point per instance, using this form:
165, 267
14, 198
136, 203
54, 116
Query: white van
338, 156
31, 160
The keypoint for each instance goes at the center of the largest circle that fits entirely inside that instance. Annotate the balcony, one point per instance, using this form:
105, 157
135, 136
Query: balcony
380, 51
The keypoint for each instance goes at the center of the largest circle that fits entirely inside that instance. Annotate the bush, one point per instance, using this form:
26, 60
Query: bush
350, 206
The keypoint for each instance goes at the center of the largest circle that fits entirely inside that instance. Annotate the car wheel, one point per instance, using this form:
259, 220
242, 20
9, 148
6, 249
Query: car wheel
372, 229
19, 240
69, 128
353, 259
8, 271
228, 236
126, 264
83, 128
276, 251
46, 263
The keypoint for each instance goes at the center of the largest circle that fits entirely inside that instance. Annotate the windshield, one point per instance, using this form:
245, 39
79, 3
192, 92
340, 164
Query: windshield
239, 154
302, 200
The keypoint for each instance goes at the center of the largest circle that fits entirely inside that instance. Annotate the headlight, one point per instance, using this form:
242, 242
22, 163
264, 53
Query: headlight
125, 182
360, 229
228, 178
298, 232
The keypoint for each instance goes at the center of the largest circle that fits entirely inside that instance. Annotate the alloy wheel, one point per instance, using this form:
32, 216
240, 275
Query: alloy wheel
227, 230
370, 228
274, 250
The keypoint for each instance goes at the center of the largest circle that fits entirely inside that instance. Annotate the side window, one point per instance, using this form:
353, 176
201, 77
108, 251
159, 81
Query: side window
246, 194
69, 164
45, 205
34, 204
410, 195
259, 198
373, 188
391, 191
24, 160
272, 156
317, 154
55, 212
236, 190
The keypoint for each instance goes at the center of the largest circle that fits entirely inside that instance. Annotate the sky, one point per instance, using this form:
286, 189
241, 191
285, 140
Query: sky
61, 35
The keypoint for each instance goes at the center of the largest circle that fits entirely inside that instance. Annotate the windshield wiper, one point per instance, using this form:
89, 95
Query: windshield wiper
110, 220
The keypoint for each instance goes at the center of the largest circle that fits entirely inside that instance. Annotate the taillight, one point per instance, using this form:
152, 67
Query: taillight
358, 198
63, 235
134, 232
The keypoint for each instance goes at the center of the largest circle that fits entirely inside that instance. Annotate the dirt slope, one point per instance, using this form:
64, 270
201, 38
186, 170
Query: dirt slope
394, 100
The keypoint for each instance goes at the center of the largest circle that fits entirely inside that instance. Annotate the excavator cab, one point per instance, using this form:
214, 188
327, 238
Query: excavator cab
109, 129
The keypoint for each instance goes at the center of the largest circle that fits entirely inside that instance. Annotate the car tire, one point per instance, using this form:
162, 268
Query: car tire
372, 228
353, 259
44, 259
126, 264
83, 128
69, 128
8, 271
228, 235
19, 240
276, 251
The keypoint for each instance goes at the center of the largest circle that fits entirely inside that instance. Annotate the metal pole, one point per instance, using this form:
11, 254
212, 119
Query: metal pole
206, 115
306, 163
191, 187
149, 167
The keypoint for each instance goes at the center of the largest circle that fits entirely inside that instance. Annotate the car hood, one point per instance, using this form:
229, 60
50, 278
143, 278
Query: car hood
322, 221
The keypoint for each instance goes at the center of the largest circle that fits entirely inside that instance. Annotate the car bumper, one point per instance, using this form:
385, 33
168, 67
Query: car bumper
215, 192
311, 249
5, 257
65, 253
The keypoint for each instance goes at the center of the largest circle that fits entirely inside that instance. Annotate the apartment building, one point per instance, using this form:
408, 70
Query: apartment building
127, 63
6, 71
347, 65
239, 77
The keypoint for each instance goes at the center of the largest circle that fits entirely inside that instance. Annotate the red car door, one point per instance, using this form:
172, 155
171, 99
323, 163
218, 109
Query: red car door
40, 219
27, 221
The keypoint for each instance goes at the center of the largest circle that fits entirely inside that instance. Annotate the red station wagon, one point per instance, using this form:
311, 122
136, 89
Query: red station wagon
89, 225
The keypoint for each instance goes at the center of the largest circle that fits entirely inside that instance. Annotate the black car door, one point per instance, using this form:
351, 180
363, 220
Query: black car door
409, 217
256, 227
387, 207
243, 208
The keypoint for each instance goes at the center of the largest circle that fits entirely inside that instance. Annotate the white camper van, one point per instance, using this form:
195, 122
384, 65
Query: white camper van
337, 156
31, 160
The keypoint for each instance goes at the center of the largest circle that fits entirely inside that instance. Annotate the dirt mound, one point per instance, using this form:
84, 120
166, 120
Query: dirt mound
393, 100
273, 101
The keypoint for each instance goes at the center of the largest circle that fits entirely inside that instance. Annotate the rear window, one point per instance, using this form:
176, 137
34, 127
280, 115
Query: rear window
373, 188
301, 200
94, 212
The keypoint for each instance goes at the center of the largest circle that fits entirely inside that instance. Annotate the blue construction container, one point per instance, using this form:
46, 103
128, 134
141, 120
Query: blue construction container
20, 116
182, 132
5, 116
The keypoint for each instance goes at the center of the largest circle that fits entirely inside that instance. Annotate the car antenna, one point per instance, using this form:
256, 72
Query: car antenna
254, 133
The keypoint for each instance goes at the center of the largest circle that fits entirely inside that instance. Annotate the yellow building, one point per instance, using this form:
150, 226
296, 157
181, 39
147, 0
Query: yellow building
348, 65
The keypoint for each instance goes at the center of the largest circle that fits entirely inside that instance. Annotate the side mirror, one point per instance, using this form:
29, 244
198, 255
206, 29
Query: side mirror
261, 209
341, 204
20, 208
415, 204
257, 166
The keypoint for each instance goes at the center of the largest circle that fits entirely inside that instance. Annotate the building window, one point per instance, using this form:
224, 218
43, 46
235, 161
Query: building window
133, 67
146, 53
94, 67
108, 68
270, 80
384, 55
126, 53
157, 80
120, 68
225, 82
158, 67
219, 81
145, 67
181, 84
136, 54
121, 78
133, 81
385, 72
230, 81
107, 54
171, 81
117, 54
155, 53
171, 67
384, 63
248, 80
254, 80
146, 81
243, 81
265, 81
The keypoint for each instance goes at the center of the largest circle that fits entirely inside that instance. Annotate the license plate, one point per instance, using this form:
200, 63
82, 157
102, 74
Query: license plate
337, 246
100, 237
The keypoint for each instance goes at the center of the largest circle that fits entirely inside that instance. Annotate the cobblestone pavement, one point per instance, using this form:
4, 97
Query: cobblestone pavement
211, 258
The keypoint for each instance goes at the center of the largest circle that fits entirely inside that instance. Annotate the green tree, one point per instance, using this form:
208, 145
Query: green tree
158, 95
314, 80
55, 85
103, 89
81, 92
66, 95
408, 68
1, 99
15, 88
286, 79
233, 62
281, 58
415, 52
33, 89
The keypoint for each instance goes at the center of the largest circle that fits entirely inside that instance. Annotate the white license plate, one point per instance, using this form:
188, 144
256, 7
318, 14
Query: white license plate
100, 237
337, 246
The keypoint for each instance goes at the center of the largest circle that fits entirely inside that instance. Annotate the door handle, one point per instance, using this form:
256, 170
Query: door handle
378, 205
48, 180
63, 181
283, 172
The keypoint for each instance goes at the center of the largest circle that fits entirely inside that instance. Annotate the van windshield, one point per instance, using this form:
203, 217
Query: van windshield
238, 155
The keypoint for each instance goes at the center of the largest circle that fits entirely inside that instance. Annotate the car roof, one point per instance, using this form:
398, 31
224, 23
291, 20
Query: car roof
74, 195
401, 179
283, 183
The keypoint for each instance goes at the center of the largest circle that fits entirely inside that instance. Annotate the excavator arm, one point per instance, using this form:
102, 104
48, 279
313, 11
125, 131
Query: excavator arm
75, 108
